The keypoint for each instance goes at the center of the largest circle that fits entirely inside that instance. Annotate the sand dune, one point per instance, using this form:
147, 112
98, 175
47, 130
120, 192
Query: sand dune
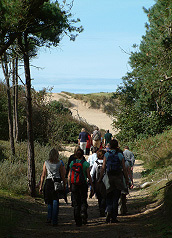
91, 116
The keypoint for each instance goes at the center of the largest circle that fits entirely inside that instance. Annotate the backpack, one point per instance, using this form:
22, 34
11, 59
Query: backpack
97, 136
113, 164
98, 169
77, 174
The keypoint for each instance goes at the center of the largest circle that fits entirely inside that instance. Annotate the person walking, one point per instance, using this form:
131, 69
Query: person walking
129, 156
107, 138
89, 144
92, 158
53, 171
82, 140
99, 188
129, 163
77, 181
114, 165
96, 138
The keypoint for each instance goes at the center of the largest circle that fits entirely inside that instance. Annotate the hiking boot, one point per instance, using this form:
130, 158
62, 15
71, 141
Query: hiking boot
108, 217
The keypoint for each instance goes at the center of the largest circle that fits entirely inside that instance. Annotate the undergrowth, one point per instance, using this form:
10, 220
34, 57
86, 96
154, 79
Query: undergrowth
13, 169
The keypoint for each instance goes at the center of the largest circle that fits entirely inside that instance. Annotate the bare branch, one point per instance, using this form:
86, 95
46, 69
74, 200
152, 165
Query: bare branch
166, 78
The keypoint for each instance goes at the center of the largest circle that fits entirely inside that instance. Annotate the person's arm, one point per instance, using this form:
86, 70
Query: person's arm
62, 175
79, 138
44, 172
125, 171
69, 179
132, 160
64, 169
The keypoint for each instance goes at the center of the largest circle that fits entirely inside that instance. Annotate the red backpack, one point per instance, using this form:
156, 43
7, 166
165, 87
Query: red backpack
77, 174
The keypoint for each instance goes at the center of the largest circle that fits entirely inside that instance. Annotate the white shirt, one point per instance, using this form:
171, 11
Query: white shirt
92, 158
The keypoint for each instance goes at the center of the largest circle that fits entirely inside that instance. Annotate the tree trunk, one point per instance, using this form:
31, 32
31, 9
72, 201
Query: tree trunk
14, 93
31, 161
16, 100
10, 122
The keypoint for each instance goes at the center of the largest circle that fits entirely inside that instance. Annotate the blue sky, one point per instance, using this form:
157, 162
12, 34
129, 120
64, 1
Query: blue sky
95, 61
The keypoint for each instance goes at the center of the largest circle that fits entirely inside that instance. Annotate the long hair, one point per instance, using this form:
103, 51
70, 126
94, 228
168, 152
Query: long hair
100, 154
54, 156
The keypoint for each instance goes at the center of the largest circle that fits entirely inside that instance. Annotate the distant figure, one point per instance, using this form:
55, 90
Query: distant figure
53, 171
107, 138
129, 156
96, 137
89, 144
82, 140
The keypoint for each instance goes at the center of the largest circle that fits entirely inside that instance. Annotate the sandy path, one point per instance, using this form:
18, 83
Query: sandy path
91, 116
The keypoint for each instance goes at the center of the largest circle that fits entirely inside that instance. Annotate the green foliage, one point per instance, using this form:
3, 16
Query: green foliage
155, 151
13, 170
57, 107
145, 97
52, 121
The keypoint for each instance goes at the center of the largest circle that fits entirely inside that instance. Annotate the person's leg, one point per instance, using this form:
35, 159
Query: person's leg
55, 212
109, 206
84, 205
77, 205
116, 196
120, 208
124, 203
84, 147
81, 145
87, 151
50, 210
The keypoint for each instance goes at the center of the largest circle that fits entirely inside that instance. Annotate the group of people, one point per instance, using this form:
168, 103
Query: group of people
89, 141
107, 173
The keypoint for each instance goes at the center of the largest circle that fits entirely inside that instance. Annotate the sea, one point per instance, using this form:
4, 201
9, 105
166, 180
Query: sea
81, 86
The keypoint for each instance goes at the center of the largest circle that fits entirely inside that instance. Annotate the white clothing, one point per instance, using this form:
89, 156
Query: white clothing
92, 158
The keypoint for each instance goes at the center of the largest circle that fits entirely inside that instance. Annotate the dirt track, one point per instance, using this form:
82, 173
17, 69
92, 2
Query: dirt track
133, 225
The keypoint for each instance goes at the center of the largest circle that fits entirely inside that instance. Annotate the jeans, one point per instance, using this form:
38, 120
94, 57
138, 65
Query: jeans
53, 211
112, 203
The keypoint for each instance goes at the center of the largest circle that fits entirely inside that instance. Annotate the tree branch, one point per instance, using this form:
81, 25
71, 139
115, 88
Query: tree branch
166, 78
